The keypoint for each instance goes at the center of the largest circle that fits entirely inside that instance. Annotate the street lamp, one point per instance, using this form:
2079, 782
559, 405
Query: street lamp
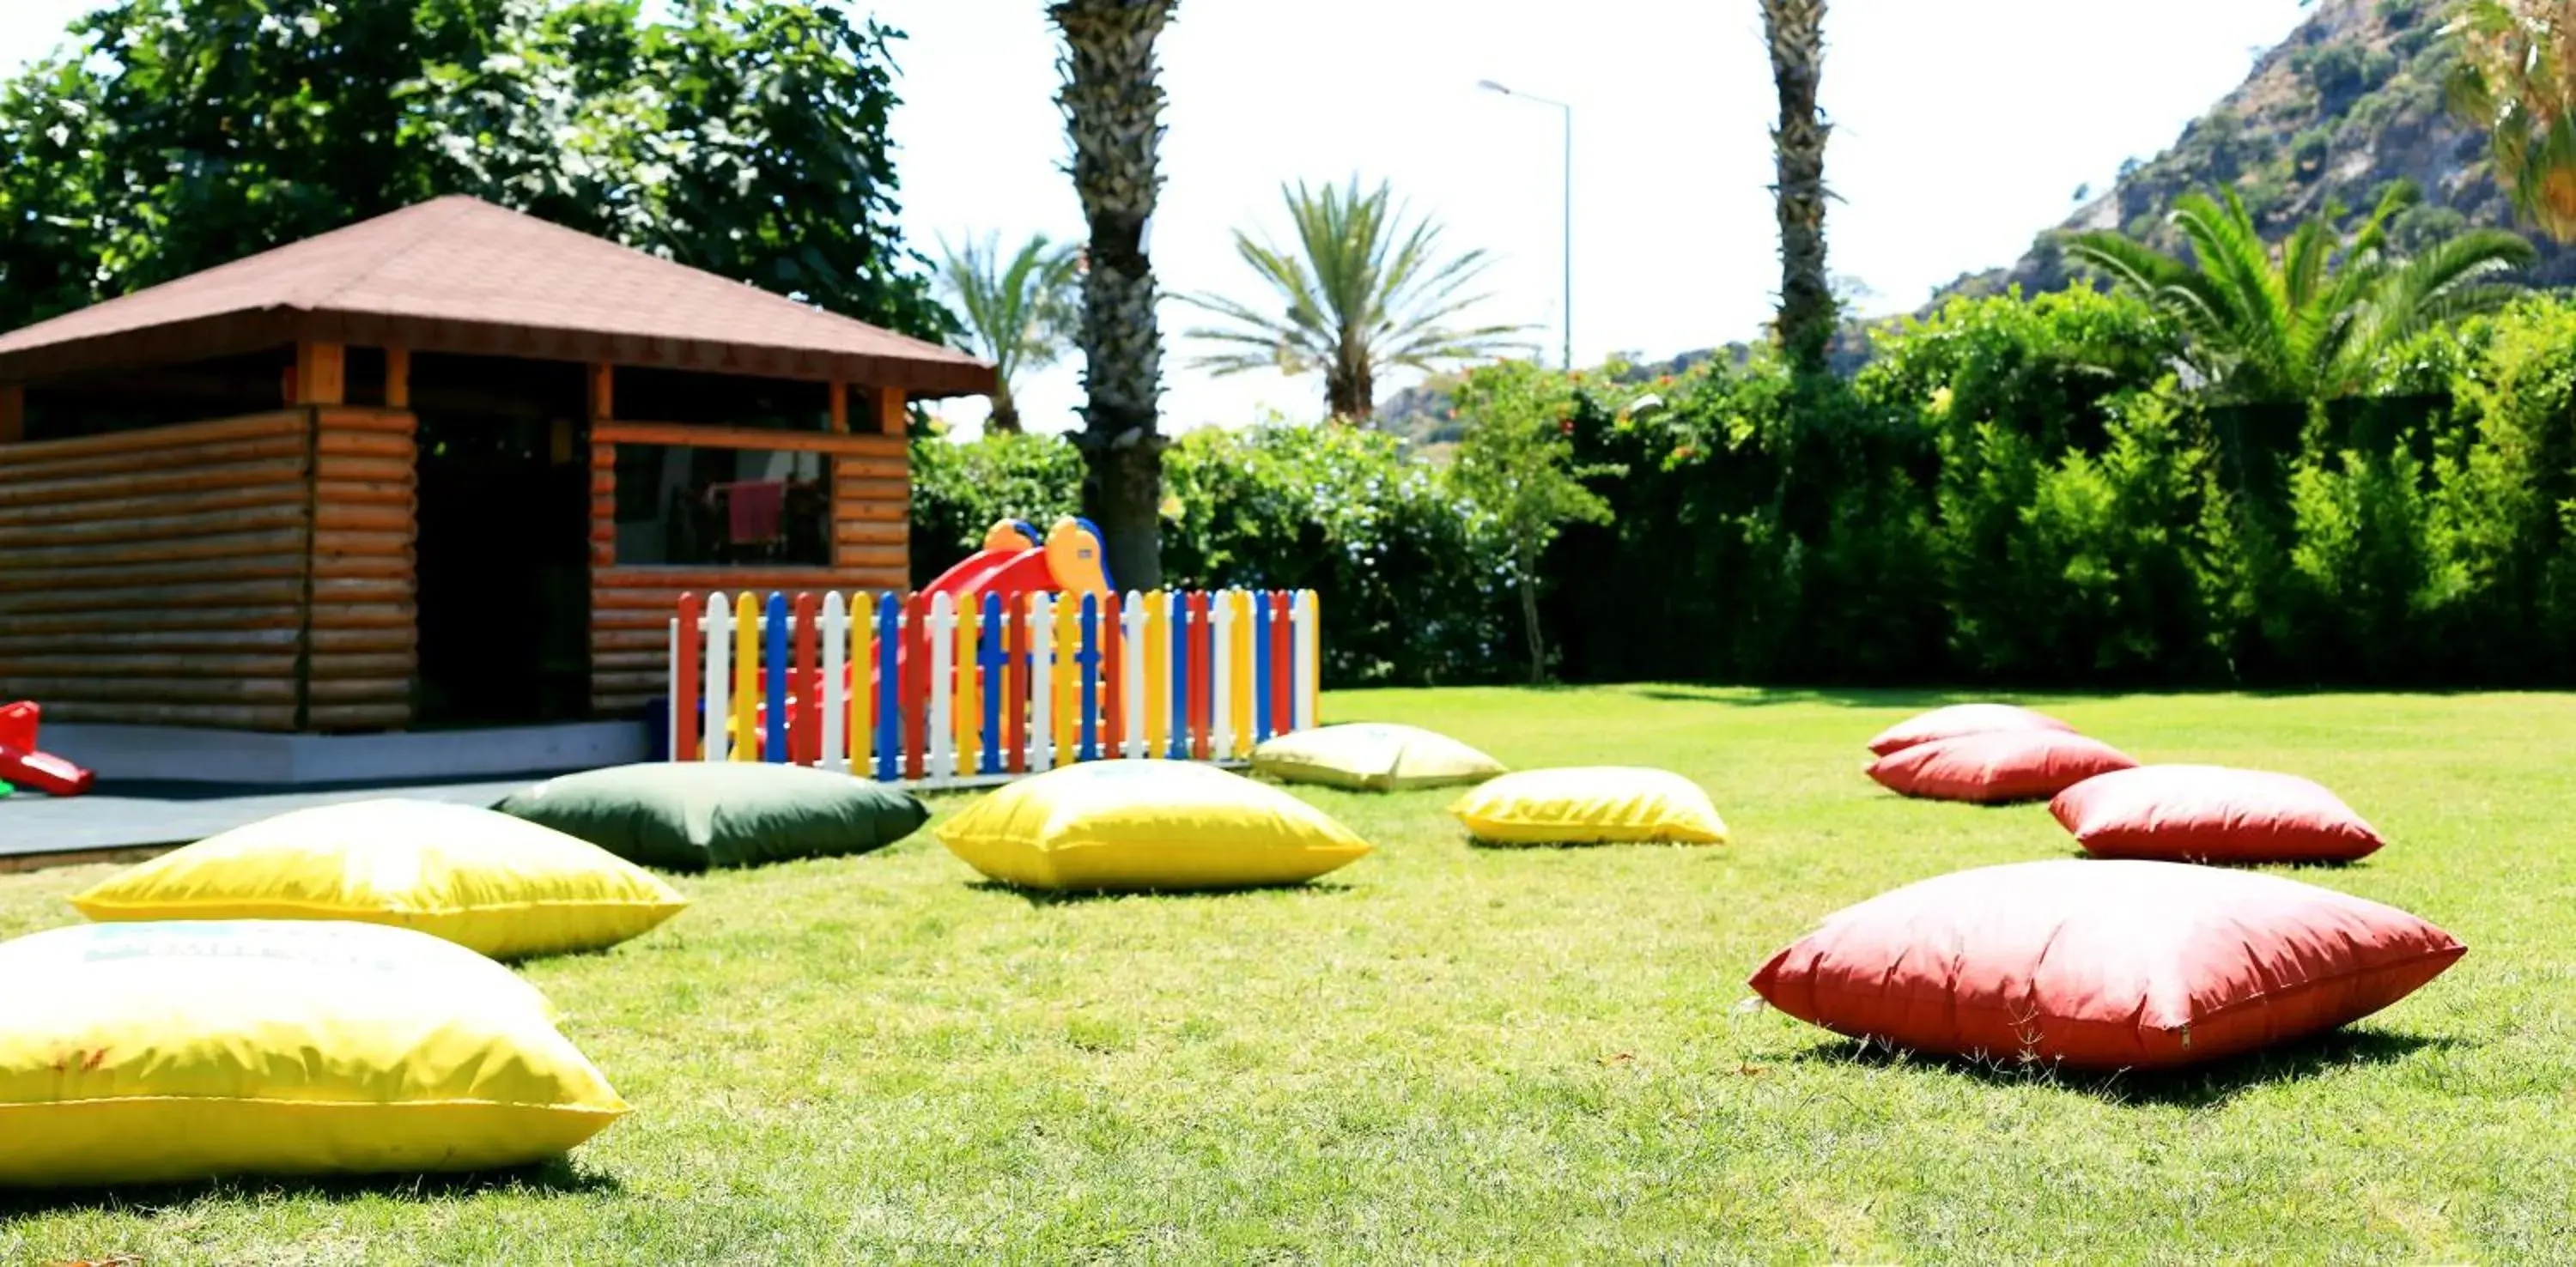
1490, 86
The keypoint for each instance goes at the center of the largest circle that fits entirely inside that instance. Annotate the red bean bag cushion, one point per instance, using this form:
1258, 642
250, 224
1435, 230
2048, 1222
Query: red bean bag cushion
1998, 767
1957, 720
2207, 813
2103, 965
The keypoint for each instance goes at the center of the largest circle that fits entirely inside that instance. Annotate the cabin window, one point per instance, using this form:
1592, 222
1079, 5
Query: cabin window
691, 506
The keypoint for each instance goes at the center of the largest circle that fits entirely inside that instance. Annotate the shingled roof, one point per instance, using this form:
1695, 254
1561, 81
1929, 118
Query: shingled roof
461, 275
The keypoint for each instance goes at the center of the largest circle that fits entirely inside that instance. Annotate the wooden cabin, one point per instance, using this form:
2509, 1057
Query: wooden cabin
450, 467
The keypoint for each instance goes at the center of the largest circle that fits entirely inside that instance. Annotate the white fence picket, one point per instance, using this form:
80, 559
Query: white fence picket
835, 628
1221, 678
939, 737
1131, 674
1301, 632
719, 676
1041, 684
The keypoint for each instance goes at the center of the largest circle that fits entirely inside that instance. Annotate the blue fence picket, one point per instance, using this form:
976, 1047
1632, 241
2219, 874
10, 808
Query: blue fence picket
889, 688
1089, 658
1180, 666
990, 659
774, 678
1261, 669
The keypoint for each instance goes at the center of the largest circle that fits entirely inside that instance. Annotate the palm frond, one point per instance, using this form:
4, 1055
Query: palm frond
2515, 77
1020, 311
2309, 322
2456, 278
1361, 284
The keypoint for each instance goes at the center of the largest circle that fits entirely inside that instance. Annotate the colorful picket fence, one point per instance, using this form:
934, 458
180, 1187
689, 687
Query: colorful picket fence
915, 689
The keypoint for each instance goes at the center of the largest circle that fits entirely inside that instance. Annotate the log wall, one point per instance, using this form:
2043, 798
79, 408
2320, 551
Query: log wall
631, 607
248, 573
364, 648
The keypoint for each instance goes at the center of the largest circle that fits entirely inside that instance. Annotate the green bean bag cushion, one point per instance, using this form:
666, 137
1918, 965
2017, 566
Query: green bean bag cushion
692, 815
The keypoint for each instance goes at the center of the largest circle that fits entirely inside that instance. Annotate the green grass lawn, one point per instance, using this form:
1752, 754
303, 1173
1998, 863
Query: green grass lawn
1444, 1053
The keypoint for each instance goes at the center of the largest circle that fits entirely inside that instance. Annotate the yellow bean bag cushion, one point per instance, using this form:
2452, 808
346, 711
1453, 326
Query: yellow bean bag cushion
138, 1053
1372, 757
1133, 825
483, 880
1601, 805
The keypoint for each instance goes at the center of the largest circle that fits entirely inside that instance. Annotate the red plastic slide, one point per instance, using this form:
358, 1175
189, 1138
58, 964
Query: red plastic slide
21, 764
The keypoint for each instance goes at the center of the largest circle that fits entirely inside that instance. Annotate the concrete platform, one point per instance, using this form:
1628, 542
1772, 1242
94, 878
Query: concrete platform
175, 754
129, 820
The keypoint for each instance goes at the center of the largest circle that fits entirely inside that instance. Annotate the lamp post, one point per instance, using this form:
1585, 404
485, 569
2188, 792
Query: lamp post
1568, 316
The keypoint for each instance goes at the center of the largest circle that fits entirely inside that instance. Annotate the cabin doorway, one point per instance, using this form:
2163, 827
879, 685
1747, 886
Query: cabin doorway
504, 549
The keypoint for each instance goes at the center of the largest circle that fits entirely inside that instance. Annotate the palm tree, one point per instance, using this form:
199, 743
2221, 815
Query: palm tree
2301, 325
2516, 77
1364, 289
1796, 32
1113, 113
1020, 313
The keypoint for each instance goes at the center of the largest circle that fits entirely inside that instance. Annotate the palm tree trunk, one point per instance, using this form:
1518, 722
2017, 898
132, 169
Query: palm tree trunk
1796, 29
1005, 418
1112, 109
1350, 392
1526, 566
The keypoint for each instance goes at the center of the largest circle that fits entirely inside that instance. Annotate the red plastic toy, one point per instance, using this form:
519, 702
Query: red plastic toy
22, 764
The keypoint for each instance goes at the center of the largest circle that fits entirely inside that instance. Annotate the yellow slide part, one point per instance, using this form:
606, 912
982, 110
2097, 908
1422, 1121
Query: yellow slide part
1074, 555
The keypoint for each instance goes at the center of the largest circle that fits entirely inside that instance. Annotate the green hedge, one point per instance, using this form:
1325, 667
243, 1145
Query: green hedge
2018, 491
2011, 492
1411, 593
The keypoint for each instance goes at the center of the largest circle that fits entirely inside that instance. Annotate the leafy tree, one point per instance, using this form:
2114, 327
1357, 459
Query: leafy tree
1363, 289
1516, 462
2308, 323
2516, 77
775, 138
1113, 105
1020, 312
744, 138
1796, 33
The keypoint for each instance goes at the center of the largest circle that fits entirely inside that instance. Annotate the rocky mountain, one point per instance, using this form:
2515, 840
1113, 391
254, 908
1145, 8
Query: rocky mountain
2351, 101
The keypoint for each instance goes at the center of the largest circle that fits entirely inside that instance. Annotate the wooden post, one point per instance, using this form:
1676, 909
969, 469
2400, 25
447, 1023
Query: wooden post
397, 378
13, 413
603, 392
892, 419
321, 376
840, 408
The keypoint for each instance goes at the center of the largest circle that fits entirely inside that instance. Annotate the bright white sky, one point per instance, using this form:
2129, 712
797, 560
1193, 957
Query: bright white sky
1963, 128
